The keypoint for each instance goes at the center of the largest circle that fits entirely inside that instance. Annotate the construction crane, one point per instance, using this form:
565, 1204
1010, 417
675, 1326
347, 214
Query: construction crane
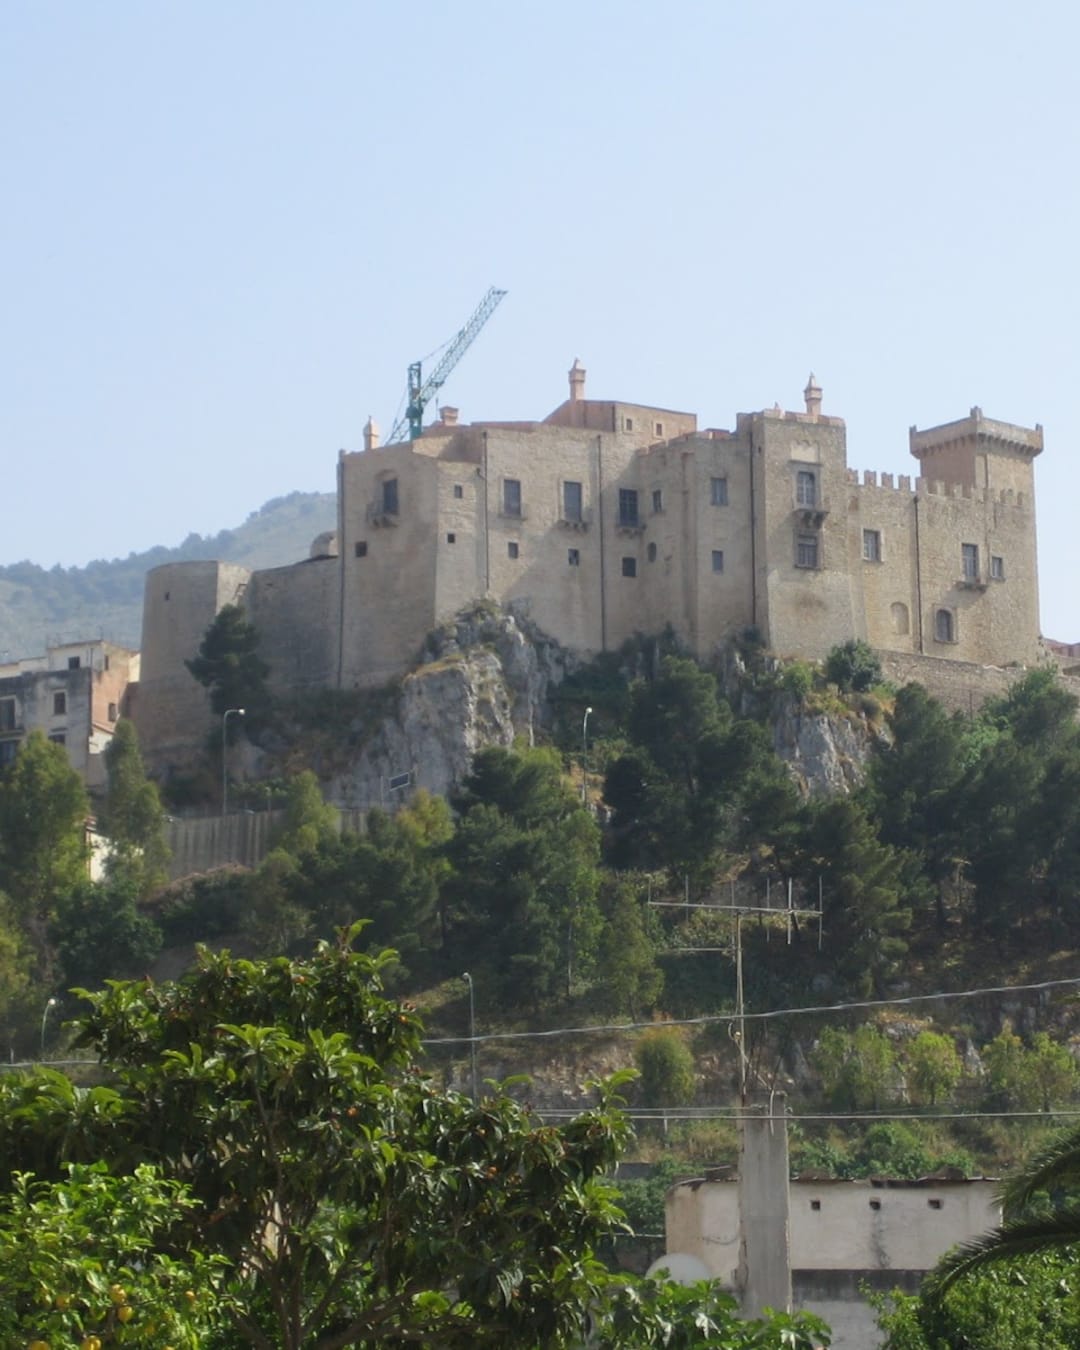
421, 391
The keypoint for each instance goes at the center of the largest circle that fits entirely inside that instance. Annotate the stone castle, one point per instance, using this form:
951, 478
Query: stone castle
608, 519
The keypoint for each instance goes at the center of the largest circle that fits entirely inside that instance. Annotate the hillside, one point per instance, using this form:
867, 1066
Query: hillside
40, 606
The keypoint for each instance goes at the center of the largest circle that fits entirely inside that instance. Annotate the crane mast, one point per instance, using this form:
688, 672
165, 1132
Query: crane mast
421, 391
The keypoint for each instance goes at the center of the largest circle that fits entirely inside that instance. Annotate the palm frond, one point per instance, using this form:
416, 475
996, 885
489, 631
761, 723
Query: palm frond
1018, 1237
1055, 1167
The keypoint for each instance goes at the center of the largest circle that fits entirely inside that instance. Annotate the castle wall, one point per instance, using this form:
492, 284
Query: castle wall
387, 561
172, 712
295, 610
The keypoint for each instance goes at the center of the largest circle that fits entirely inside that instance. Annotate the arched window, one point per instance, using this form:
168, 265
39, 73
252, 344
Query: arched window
944, 628
901, 624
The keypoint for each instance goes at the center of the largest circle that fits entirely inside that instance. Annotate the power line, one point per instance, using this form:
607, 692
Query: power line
707, 1019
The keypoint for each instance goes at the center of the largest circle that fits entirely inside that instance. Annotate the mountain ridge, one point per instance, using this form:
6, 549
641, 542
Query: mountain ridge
41, 607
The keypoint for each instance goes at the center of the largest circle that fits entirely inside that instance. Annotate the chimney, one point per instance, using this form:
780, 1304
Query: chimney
577, 381
449, 416
812, 394
371, 434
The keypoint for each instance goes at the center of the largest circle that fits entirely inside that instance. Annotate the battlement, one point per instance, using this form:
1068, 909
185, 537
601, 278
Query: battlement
975, 429
934, 487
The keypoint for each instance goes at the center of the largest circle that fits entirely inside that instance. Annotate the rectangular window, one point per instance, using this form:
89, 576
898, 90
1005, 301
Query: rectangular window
871, 545
969, 558
571, 501
106, 660
997, 567
8, 751
628, 506
59, 704
657, 501
360, 548
718, 560
74, 662
512, 550
459, 491
718, 491
659, 428
511, 496
390, 497
573, 557
944, 627
451, 538
628, 424
7, 714
58, 738
114, 712
806, 487
629, 567
806, 550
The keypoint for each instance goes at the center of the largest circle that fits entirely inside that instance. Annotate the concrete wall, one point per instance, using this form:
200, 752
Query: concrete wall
295, 610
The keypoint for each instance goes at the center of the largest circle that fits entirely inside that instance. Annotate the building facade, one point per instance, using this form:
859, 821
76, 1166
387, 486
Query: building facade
75, 694
608, 519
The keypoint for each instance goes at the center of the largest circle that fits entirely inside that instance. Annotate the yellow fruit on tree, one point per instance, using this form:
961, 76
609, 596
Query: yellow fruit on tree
39, 1345
91, 1343
117, 1293
63, 1301
125, 1314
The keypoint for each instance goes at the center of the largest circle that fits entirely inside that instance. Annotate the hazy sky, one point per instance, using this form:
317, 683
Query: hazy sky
228, 228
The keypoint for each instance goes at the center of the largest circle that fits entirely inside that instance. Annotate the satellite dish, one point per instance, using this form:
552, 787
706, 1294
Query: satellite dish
680, 1267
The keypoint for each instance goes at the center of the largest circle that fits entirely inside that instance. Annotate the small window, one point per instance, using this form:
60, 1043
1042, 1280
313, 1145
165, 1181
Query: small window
629, 567
997, 567
934, 1204
166, 595
659, 428
806, 487
815, 1205
628, 506
806, 550
901, 623
573, 557
512, 550
718, 491
114, 712
58, 738
390, 497
657, 501
459, 491
7, 714
718, 560
944, 626
650, 553
571, 501
59, 704
875, 1204
74, 662
871, 545
106, 660
451, 538
511, 496
8, 751
969, 560
628, 424
360, 548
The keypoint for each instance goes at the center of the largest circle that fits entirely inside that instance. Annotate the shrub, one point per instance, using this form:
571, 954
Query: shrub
853, 666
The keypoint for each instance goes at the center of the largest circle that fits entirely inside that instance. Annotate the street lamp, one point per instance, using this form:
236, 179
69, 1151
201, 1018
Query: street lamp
225, 756
585, 756
472, 1034
49, 1006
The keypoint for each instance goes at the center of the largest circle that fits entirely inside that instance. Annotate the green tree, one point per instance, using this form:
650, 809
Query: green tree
630, 980
229, 666
666, 1067
310, 822
350, 1201
133, 818
43, 809
519, 902
853, 665
85, 1257
933, 1067
99, 933
858, 1069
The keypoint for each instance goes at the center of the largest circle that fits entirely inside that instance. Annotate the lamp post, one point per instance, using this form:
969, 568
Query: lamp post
225, 756
472, 1034
585, 756
49, 1006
